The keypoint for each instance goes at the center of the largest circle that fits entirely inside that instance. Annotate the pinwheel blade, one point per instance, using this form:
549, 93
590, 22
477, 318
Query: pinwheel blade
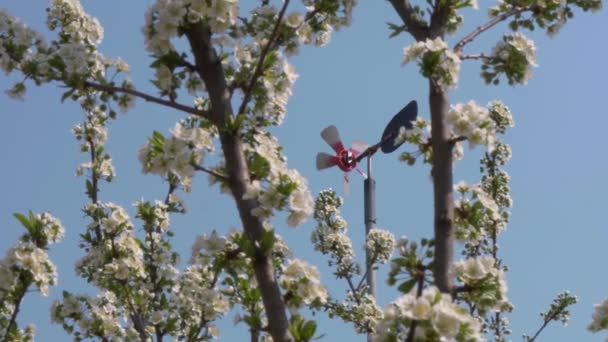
358, 147
363, 174
405, 118
325, 160
332, 138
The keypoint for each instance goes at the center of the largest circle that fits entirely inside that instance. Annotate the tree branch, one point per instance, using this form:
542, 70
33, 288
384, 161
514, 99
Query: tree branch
439, 18
475, 56
415, 26
453, 141
211, 172
480, 29
209, 68
420, 286
260, 66
443, 188
149, 98
13, 320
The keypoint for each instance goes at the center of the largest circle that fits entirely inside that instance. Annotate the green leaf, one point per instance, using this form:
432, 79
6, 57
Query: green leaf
396, 29
308, 330
268, 239
407, 286
24, 221
67, 94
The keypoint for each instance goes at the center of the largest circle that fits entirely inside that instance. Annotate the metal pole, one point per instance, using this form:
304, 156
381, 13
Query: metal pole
369, 203
369, 190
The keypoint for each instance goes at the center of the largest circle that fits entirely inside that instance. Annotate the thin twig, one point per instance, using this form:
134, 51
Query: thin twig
475, 56
480, 29
258, 69
94, 183
412, 332
352, 288
15, 313
147, 97
367, 270
542, 327
212, 172
458, 139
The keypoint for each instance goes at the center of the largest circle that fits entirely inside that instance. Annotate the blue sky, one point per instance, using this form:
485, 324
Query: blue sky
558, 232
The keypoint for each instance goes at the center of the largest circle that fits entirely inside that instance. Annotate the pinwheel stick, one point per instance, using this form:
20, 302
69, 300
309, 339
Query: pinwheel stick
374, 148
369, 204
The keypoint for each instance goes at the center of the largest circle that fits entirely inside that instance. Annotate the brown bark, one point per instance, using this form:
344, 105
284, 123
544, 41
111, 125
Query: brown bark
443, 197
442, 174
210, 70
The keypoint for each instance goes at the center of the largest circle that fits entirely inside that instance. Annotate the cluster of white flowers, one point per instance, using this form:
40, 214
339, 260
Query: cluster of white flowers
120, 256
94, 130
159, 255
438, 61
278, 82
366, 313
51, 227
27, 263
501, 114
380, 244
177, 154
160, 216
77, 26
336, 20
600, 317
487, 283
477, 215
278, 187
89, 317
196, 299
522, 44
164, 19
16, 36
78, 38
302, 284
437, 317
362, 310
517, 56
418, 134
29, 255
478, 124
473, 122
208, 245
329, 236
93, 134
26, 256
71, 57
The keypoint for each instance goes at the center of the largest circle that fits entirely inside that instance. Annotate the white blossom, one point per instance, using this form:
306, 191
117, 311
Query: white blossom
599, 319
303, 282
446, 71
380, 244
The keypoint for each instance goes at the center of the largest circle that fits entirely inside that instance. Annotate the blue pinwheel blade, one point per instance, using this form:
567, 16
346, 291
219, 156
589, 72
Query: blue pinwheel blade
404, 118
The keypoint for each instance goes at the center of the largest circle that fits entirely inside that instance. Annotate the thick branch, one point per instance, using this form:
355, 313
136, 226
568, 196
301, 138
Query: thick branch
149, 98
259, 68
479, 30
210, 69
415, 26
442, 188
439, 18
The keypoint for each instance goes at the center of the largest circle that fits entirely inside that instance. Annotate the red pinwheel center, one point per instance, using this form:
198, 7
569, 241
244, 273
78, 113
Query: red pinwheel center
347, 160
